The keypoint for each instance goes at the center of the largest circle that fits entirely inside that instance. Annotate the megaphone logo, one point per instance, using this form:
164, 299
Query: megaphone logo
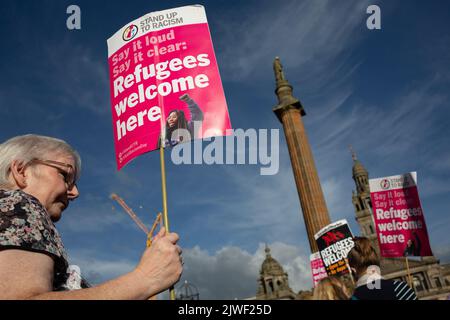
130, 32
385, 184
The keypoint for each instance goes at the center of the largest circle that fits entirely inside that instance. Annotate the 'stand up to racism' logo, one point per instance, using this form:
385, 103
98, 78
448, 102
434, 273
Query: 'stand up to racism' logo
384, 184
130, 32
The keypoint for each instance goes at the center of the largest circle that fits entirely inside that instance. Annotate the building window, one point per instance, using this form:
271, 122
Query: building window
270, 288
437, 282
417, 284
361, 204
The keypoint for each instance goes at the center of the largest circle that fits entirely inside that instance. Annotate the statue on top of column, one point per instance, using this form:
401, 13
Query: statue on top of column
278, 69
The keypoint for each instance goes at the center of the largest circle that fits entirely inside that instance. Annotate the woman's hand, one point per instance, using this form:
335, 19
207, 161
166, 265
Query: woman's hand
160, 265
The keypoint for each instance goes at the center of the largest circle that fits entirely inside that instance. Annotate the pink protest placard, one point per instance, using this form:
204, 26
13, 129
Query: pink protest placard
165, 83
317, 268
398, 216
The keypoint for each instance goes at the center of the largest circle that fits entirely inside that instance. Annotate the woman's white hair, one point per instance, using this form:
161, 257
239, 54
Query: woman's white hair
31, 146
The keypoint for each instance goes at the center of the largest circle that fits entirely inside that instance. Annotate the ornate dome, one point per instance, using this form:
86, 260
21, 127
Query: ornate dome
270, 265
358, 168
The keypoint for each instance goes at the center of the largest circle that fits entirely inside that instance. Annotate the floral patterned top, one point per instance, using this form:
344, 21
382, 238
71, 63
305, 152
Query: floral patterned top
26, 225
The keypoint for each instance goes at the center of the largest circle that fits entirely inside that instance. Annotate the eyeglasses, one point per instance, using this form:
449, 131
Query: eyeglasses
69, 175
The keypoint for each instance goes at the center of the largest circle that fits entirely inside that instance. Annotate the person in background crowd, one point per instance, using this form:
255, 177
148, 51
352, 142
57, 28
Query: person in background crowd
38, 177
365, 266
331, 288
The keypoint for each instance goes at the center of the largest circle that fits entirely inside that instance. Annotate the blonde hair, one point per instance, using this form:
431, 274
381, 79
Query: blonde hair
331, 288
31, 146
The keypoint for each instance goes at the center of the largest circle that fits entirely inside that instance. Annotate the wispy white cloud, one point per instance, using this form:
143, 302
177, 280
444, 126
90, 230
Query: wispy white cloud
338, 199
442, 164
308, 35
404, 125
93, 215
443, 253
80, 80
433, 185
406, 122
249, 207
76, 79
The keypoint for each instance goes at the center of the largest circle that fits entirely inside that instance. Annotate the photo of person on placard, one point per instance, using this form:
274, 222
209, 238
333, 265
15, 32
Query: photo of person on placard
413, 246
177, 120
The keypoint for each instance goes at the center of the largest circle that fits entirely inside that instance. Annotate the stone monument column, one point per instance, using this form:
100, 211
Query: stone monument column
290, 112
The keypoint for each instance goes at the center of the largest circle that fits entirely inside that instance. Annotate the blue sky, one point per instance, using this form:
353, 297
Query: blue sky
385, 92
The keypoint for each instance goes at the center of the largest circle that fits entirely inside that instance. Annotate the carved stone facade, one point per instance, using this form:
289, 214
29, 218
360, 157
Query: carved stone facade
431, 279
273, 281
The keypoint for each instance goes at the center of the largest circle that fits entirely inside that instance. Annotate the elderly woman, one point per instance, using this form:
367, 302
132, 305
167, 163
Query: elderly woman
37, 181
